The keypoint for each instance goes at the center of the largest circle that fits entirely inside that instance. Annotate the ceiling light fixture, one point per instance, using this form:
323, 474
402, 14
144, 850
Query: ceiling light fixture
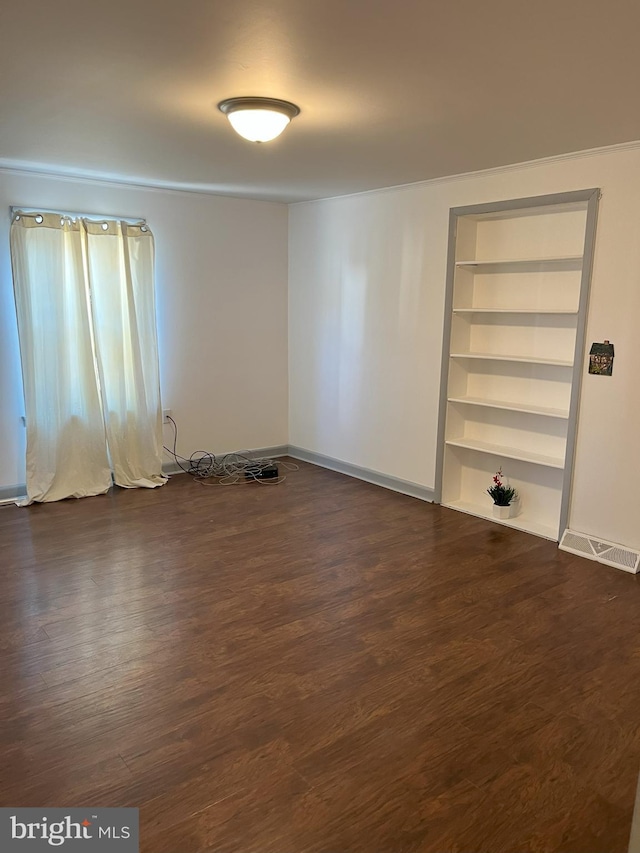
258, 119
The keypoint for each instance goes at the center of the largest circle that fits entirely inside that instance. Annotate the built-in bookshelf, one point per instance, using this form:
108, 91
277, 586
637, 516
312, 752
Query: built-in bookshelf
517, 293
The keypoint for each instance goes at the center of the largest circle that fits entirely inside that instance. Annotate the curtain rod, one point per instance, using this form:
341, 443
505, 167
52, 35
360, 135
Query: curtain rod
75, 214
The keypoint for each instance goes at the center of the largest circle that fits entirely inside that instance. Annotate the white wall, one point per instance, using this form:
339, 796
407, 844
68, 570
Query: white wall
366, 301
221, 287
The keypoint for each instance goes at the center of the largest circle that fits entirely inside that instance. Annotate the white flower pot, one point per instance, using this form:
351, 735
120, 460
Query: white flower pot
502, 511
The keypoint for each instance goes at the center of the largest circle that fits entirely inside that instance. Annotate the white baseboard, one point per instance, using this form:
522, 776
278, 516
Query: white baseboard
10, 494
405, 487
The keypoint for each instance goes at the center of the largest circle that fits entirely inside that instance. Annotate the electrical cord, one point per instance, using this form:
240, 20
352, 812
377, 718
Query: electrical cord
229, 469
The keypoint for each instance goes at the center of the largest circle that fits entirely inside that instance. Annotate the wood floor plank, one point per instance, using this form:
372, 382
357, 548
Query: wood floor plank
317, 666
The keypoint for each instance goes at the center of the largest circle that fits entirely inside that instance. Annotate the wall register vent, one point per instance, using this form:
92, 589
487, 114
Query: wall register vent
603, 552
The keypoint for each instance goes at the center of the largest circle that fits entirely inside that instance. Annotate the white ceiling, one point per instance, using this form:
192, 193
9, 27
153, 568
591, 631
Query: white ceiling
390, 92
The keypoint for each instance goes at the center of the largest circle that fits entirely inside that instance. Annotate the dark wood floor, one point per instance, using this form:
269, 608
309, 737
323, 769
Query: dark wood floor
317, 666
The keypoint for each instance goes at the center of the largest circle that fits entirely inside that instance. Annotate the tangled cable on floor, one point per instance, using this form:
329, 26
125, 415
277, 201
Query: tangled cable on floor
229, 469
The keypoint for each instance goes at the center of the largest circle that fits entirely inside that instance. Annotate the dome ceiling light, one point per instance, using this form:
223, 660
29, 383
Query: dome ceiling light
258, 119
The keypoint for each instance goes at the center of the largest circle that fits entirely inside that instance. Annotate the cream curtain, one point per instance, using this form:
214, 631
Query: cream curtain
86, 317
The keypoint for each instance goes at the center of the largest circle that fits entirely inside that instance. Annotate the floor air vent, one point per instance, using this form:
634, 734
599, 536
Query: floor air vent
604, 552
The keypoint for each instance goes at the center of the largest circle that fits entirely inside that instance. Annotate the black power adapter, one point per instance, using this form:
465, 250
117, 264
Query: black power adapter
266, 472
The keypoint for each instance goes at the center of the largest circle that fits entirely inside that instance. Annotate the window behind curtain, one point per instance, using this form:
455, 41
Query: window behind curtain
85, 304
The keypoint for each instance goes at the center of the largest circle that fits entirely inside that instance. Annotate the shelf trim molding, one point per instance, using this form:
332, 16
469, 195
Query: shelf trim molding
549, 200
446, 349
579, 355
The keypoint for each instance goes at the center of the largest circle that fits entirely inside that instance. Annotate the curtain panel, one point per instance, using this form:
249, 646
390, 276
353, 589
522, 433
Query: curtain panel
84, 292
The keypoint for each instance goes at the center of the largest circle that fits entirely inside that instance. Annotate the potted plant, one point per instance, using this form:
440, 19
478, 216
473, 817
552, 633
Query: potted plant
503, 496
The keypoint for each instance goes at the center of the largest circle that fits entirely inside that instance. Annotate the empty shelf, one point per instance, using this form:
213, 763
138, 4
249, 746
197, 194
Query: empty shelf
522, 264
545, 311
528, 408
487, 356
507, 452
